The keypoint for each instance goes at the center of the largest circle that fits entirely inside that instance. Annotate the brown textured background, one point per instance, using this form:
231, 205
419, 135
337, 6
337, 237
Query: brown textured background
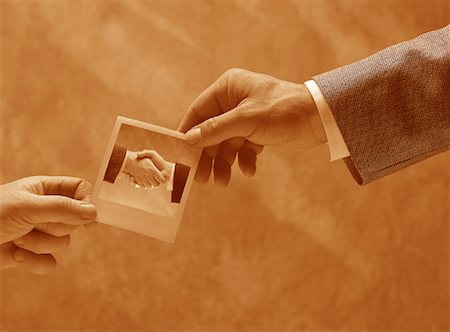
300, 247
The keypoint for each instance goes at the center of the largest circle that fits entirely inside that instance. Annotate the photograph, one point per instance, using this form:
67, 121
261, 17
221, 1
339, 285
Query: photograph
145, 178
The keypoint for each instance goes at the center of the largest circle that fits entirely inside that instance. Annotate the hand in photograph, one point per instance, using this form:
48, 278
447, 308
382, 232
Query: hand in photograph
37, 215
165, 167
143, 170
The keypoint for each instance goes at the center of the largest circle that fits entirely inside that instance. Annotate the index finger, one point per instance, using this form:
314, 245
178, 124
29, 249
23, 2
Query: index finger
202, 108
213, 101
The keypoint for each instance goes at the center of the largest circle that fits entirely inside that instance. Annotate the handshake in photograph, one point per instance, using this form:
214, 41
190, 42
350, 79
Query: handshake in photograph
147, 169
380, 115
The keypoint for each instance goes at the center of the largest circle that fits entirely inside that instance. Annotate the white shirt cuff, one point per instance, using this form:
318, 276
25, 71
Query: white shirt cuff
169, 184
336, 143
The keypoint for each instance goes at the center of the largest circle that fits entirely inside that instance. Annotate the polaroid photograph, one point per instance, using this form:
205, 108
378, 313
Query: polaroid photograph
144, 179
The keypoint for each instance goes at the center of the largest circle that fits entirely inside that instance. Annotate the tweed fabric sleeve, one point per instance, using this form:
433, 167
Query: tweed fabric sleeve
115, 164
393, 108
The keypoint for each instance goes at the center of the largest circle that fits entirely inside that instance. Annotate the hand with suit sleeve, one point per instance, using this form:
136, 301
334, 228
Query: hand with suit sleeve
242, 112
37, 214
381, 114
393, 107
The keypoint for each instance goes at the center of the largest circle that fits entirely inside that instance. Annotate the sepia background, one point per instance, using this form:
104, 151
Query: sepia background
300, 247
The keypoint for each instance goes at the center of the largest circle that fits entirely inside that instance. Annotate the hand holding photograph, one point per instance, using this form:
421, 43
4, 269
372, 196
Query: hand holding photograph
144, 180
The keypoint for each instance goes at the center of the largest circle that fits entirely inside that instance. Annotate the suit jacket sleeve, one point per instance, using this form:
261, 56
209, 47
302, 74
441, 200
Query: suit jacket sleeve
115, 163
393, 108
180, 176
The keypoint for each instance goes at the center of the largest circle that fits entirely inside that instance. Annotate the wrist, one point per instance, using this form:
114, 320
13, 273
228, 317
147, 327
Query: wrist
129, 160
315, 122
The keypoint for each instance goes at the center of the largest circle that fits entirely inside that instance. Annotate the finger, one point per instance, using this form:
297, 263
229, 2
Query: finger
225, 159
247, 156
42, 243
247, 162
49, 208
131, 179
212, 150
91, 225
204, 168
142, 182
257, 148
39, 264
235, 123
73, 187
205, 164
227, 92
206, 105
7, 255
149, 181
222, 173
142, 154
56, 229
156, 173
167, 173
152, 182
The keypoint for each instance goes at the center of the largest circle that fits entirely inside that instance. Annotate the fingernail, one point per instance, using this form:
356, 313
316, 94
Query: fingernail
42, 226
87, 211
249, 171
193, 136
19, 255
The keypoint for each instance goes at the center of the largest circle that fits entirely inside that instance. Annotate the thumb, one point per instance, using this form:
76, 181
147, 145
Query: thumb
235, 123
64, 185
142, 154
55, 208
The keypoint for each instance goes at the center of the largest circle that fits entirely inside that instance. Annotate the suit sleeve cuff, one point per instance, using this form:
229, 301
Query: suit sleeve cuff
115, 163
123, 164
336, 144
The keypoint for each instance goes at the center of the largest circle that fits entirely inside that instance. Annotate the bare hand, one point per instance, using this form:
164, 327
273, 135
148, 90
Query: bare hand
243, 111
37, 215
